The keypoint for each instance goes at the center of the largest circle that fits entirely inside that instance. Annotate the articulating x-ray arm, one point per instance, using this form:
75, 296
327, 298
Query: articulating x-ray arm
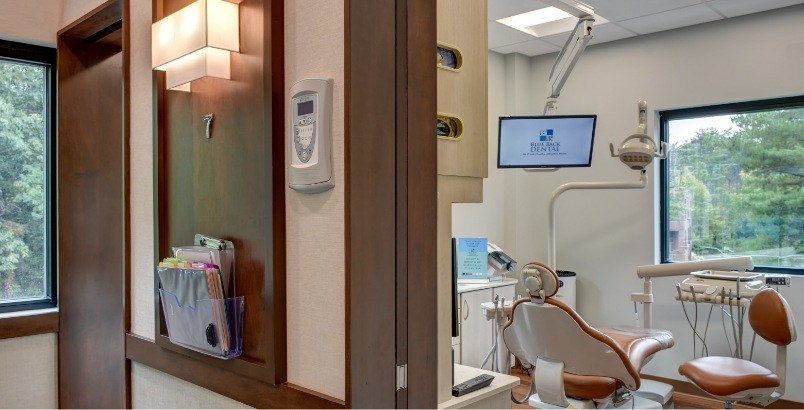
573, 48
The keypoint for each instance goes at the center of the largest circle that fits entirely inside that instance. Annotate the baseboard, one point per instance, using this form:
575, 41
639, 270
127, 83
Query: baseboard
680, 386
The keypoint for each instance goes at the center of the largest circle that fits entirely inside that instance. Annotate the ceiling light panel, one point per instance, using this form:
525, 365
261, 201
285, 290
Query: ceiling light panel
525, 21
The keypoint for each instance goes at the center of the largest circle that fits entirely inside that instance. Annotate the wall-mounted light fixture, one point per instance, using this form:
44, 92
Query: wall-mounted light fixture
196, 42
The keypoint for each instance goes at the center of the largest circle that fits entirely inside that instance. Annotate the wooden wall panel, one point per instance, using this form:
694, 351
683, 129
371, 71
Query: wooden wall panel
464, 93
420, 157
371, 248
91, 261
231, 185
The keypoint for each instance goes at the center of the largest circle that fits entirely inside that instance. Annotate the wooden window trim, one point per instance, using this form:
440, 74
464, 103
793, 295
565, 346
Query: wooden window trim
29, 324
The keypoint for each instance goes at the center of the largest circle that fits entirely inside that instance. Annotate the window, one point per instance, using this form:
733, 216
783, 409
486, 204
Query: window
27, 170
733, 184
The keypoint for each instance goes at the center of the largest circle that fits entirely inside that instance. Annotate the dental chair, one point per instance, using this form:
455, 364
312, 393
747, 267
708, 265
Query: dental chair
731, 379
576, 365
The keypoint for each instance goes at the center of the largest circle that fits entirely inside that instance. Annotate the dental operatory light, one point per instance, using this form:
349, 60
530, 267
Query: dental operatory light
638, 150
196, 42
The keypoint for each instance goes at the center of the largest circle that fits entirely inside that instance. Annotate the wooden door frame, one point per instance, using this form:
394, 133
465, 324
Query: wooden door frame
92, 328
390, 202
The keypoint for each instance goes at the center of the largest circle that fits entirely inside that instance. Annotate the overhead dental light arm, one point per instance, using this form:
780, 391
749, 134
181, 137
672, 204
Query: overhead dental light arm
633, 152
572, 50
551, 220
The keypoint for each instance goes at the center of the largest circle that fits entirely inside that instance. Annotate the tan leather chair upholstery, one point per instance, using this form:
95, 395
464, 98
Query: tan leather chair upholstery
732, 379
597, 361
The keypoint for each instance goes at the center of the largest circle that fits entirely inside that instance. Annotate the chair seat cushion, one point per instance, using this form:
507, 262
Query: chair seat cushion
589, 387
637, 343
726, 376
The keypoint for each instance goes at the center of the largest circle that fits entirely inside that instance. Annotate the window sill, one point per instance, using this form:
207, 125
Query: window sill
29, 323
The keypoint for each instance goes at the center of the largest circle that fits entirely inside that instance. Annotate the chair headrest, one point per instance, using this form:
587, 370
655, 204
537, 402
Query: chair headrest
771, 317
540, 280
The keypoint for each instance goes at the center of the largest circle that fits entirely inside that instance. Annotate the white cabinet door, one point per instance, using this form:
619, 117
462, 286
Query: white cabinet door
508, 292
476, 331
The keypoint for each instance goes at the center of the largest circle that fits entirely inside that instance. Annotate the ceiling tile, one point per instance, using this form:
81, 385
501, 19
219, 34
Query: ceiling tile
669, 20
609, 32
506, 8
529, 48
600, 34
618, 10
502, 35
733, 8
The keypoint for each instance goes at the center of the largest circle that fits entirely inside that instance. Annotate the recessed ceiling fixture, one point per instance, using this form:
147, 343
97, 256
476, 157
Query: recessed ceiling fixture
547, 21
533, 18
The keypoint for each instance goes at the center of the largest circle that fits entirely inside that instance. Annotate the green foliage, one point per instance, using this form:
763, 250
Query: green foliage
22, 179
743, 189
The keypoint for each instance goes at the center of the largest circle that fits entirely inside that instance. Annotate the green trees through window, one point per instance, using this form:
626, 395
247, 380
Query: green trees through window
735, 186
23, 189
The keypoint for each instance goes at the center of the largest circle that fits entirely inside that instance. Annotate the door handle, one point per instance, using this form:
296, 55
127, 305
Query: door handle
466, 310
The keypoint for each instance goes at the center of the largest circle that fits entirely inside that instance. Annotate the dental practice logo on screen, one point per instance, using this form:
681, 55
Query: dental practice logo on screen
547, 144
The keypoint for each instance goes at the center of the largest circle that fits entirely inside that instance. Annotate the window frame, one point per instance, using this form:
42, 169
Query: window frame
664, 172
44, 56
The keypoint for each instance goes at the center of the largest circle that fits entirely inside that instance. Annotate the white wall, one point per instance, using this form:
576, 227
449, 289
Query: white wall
33, 22
604, 235
28, 376
29, 363
72, 10
316, 264
153, 389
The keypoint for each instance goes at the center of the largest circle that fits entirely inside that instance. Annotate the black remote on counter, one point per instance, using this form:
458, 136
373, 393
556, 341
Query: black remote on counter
471, 385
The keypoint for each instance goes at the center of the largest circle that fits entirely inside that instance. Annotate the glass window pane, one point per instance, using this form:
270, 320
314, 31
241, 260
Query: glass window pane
23, 130
735, 187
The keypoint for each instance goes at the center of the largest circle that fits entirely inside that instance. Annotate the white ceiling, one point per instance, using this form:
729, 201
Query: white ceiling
627, 18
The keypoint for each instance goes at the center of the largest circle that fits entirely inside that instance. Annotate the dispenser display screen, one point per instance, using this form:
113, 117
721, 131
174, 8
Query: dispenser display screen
546, 142
305, 108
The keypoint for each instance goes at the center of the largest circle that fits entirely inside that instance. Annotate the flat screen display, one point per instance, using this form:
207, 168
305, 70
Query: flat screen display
546, 142
305, 108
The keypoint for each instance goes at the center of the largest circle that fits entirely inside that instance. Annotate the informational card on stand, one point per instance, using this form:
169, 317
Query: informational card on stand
471, 260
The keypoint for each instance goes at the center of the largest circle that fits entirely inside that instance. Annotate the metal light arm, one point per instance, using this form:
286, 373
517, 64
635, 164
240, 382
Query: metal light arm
551, 218
572, 50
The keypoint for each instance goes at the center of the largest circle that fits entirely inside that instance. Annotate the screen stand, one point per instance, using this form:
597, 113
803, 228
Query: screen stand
540, 169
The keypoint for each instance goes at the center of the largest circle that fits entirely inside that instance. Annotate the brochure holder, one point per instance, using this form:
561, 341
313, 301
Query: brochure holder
211, 326
193, 290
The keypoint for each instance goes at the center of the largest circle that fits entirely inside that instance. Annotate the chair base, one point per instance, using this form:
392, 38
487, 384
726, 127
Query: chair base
635, 402
659, 392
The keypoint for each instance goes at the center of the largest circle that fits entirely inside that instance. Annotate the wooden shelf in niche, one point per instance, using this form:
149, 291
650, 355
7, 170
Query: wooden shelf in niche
449, 127
448, 57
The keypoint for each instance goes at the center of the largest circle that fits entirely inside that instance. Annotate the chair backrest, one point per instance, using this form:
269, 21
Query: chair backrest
771, 318
553, 331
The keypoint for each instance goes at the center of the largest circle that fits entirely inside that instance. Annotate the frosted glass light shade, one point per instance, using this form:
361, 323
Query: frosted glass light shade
195, 41
206, 62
